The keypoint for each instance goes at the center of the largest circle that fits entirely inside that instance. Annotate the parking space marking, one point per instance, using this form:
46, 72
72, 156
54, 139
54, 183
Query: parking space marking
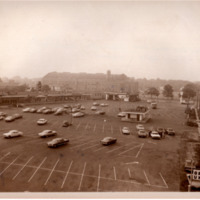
163, 180
66, 174
79, 188
37, 169
78, 125
99, 149
111, 129
118, 148
148, 183
114, 173
129, 173
22, 168
82, 144
139, 150
5, 156
9, 165
94, 128
129, 149
86, 126
152, 142
103, 128
90, 147
99, 176
52, 171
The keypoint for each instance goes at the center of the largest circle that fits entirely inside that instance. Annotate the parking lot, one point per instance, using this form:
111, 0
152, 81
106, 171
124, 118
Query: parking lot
132, 164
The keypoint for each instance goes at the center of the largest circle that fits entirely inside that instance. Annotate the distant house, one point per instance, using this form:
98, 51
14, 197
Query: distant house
139, 115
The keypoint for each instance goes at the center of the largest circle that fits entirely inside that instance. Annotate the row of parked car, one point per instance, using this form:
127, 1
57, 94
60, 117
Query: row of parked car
56, 141
155, 134
9, 118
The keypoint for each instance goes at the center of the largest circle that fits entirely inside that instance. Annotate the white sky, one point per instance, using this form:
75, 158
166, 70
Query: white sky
139, 39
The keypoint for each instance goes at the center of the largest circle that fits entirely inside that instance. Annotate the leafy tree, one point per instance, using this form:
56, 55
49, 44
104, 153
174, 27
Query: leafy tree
46, 88
189, 91
152, 91
39, 86
168, 91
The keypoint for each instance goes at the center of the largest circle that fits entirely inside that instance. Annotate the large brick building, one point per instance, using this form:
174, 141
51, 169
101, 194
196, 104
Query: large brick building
86, 83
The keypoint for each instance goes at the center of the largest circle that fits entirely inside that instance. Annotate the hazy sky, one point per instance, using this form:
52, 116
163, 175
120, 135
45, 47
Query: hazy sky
139, 39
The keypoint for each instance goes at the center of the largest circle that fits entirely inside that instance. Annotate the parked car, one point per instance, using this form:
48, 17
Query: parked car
9, 119
47, 133
67, 106
108, 140
74, 110
170, 131
155, 135
95, 104
59, 111
57, 142
139, 127
41, 121
103, 104
47, 111
17, 116
78, 114
33, 110
1, 117
142, 133
192, 123
100, 112
121, 114
66, 124
82, 107
26, 109
13, 133
3, 114
126, 131
93, 108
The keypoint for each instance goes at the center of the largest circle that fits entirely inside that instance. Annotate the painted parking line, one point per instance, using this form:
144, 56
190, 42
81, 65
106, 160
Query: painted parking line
148, 182
78, 125
100, 149
51, 171
129, 149
90, 147
163, 180
99, 176
37, 169
94, 128
129, 173
139, 150
86, 126
119, 147
82, 144
111, 129
5, 156
22, 168
66, 174
79, 188
114, 173
103, 127
9, 165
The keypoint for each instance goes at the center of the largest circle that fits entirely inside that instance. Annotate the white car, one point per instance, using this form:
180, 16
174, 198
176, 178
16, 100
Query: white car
78, 114
26, 109
139, 127
9, 119
103, 104
126, 131
75, 110
155, 135
13, 133
82, 107
41, 121
108, 140
17, 116
121, 114
47, 133
95, 104
142, 133
93, 108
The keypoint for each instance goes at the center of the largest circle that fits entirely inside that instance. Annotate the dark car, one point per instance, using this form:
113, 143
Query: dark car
192, 123
57, 142
170, 131
17, 116
66, 124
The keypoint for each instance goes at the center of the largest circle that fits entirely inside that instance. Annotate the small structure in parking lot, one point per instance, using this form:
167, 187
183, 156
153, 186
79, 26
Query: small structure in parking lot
140, 114
194, 179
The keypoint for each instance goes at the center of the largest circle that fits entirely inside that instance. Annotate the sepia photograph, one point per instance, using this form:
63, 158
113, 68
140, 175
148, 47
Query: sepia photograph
99, 98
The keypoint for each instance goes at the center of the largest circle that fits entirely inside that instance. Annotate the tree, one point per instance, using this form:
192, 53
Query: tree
46, 88
39, 86
152, 91
168, 91
189, 91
